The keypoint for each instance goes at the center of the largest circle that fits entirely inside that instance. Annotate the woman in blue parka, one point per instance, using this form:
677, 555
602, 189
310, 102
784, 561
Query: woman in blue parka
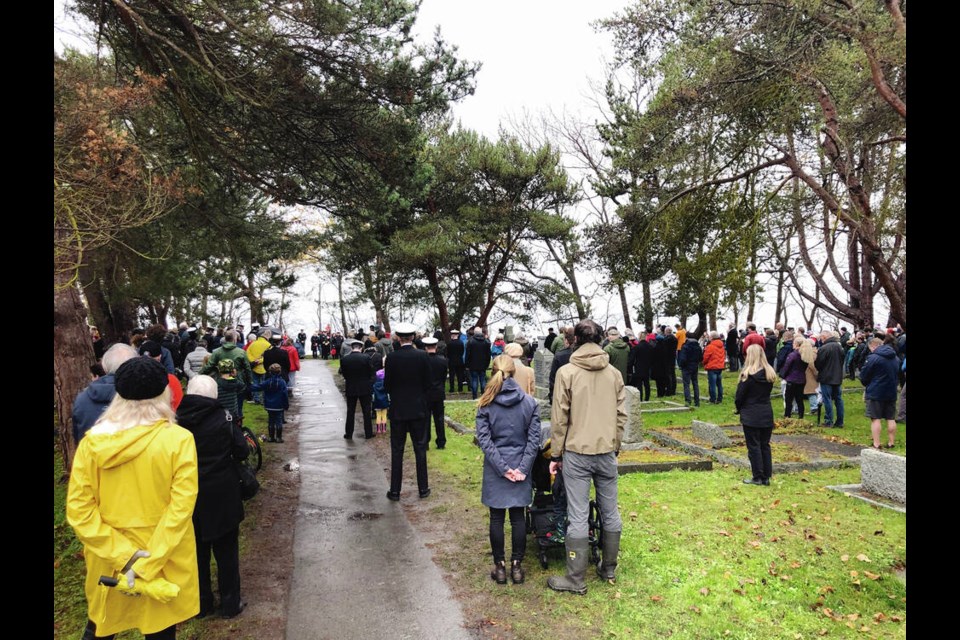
508, 430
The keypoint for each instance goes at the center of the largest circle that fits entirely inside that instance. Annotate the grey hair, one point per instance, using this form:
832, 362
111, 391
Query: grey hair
267, 334
231, 336
201, 385
714, 335
116, 356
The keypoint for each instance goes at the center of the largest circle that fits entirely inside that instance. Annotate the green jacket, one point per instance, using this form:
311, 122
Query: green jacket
619, 352
229, 351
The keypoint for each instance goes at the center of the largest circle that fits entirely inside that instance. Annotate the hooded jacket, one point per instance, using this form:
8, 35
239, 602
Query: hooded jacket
275, 396
794, 369
230, 351
255, 352
714, 356
589, 404
478, 353
220, 443
690, 355
133, 489
619, 352
508, 432
829, 362
753, 401
879, 374
91, 403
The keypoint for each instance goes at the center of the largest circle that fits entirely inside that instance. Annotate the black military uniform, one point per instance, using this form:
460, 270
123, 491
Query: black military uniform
407, 379
357, 373
438, 370
455, 361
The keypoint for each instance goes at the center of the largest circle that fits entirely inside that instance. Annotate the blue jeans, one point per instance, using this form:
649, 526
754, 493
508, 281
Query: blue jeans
832, 395
715, 383
688, 377
258, 379
478, 382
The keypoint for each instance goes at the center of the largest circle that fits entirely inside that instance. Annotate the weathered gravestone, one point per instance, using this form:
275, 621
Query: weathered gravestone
633, 432
542, 362
713, 434
884, 474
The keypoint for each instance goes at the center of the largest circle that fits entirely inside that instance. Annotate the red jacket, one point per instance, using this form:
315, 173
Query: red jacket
752, 338
714, 356
294, 357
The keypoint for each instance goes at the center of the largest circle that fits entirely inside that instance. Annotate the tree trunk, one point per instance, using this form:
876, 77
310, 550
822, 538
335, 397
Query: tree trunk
443, 313
781, 276
647, 306
701, 322
343, 311
752, 290
712, 315
113, 319
72, 357
623, 305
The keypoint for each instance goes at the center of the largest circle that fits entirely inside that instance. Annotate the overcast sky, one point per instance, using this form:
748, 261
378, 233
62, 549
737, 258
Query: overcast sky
537, 56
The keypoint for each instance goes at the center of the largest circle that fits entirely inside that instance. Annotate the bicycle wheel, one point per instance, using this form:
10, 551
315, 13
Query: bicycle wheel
255, 459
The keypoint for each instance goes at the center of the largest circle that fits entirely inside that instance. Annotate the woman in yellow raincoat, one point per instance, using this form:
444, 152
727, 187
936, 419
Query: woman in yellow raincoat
132, 490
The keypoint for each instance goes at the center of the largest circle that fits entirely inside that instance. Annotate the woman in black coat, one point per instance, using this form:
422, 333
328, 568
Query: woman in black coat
756, 412
219, 508
641, 357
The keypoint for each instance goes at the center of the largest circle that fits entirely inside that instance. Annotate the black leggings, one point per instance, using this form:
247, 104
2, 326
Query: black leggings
518, 533
794, 392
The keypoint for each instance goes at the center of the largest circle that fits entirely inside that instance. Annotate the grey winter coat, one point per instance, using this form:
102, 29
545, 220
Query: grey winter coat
194, 360
508, 430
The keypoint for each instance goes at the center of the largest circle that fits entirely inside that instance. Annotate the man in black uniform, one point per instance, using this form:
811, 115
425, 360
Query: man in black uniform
733, 348
277, 355
356, 371
407, 379
438, 369
455, 360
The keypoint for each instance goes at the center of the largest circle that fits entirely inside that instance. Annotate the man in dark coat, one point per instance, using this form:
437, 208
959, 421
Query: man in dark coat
551, 336
561, 358
357, 373
455, 361
880, 376
689, 359
407, 378
315, 344
639, 364
438, 370
93, 400
478, 361
733, 348
829, 364
277, 355
670, 360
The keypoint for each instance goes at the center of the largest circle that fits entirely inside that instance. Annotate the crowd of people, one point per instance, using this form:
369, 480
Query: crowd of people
135, 419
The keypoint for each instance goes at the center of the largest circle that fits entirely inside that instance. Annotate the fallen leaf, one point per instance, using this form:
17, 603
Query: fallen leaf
633, 515
754, 543
798, 636
863, 558
723, 533
853, 616
695, 609
818, 551
739, 592
795, 565
755, 526
844, 558
828, 612
704, 591
775, 504
749, 581
827, 589
879, 617
805, 472
822, 632
762, 510
850, 624
855, 583
656, 598
617, 595
864, 628
872, 576
785, 577
854, 574
895, 619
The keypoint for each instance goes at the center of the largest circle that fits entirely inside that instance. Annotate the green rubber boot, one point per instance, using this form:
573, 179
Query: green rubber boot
611, 549
578, 556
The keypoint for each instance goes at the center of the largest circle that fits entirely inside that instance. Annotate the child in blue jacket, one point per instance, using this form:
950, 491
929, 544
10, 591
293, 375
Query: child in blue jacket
275, 401
381, 402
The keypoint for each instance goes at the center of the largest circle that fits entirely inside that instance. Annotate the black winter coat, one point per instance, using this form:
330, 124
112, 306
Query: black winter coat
278, 356
478, 353
641, 358
561, 358
455, 353
438, 370
357, 372
733, 342
407, 378
770, 349
753, 401
829, 363
690, 356
220, 443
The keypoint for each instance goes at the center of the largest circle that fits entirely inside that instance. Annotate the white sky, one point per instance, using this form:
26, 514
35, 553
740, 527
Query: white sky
537, 56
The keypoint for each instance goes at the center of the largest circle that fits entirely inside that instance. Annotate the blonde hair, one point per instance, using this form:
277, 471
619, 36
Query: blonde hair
133, 413
757, 360
503, 368
808, 352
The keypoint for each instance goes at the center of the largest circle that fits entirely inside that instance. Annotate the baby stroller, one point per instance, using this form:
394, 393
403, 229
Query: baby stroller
540, 519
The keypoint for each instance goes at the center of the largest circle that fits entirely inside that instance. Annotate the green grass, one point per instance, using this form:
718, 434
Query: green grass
463, 412
704, 556
653, 455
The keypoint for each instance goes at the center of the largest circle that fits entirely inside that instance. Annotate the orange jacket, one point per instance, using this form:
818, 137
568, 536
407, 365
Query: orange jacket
713, 355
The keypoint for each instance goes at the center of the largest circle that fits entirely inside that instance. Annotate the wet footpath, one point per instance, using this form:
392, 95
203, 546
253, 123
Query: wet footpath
360, 569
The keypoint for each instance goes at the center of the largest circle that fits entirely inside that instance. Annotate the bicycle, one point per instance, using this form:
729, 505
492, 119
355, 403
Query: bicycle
255, 458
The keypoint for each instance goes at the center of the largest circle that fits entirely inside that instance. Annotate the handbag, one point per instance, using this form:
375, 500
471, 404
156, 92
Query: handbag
249, 485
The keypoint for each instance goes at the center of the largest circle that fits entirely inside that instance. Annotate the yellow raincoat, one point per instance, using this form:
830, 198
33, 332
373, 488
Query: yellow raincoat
255, 352
135, 489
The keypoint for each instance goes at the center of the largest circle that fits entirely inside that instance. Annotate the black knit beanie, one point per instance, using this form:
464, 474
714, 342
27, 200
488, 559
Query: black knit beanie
140, 379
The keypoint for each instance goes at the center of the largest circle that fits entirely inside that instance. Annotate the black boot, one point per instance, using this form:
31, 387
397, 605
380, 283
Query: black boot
499, 573
516, 572
272, 432
611, 549
279, 434
578, 555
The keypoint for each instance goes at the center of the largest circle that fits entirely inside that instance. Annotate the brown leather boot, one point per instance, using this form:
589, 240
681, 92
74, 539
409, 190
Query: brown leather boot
516, 572
499, 573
